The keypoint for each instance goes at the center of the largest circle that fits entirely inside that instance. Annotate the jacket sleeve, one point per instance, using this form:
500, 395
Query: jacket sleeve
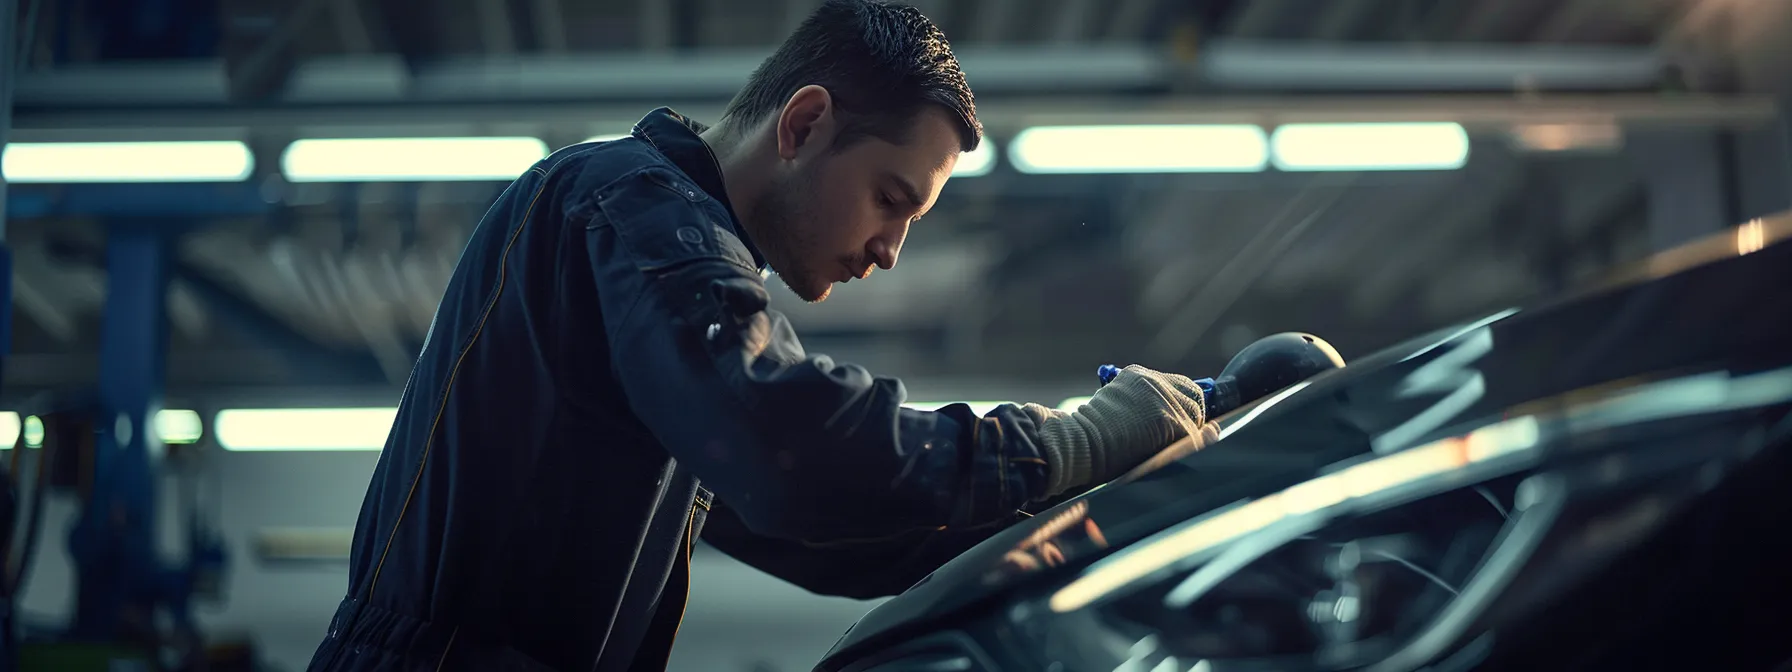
801, 446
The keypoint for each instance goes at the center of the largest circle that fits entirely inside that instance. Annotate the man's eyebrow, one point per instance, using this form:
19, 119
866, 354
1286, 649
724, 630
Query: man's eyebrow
908, 190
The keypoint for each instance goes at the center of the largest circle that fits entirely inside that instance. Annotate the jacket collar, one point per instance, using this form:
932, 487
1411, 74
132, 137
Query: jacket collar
677, 138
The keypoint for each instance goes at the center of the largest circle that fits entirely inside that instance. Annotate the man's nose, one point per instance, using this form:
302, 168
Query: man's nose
883, 253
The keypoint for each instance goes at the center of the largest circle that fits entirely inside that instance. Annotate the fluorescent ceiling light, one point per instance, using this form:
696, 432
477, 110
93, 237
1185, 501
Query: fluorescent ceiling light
278, 429
976, 162
606, 138
179, 426
1363, 147
410, 159
66, 162
1140, 149
173, 425
981, 408
33, 431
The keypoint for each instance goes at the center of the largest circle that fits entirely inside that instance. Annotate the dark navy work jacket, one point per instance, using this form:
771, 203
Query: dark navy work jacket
602, 384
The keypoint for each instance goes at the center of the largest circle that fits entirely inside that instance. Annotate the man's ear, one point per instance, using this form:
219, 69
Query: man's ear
807, 122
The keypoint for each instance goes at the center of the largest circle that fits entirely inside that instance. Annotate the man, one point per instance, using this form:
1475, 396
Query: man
603, 382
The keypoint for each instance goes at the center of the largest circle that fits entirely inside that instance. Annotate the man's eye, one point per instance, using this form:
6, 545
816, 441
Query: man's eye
885, 201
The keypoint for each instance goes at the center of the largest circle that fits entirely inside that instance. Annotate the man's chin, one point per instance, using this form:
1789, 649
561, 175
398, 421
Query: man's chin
816, 297
810, 292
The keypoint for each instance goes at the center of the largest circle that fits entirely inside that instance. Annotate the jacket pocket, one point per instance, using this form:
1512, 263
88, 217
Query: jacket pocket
665, 221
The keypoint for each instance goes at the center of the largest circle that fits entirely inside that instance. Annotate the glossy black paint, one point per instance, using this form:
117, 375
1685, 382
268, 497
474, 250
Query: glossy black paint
1724, 304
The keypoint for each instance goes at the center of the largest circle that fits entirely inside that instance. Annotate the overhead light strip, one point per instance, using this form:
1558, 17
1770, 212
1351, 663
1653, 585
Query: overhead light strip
303, 429
113, 162
172, 425
411, 159
1369, 147
977, 162
1229, 148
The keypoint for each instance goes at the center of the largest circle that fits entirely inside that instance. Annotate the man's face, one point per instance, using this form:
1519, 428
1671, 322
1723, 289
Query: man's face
831, 216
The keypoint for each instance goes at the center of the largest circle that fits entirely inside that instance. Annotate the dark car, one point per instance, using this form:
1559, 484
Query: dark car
1604, 482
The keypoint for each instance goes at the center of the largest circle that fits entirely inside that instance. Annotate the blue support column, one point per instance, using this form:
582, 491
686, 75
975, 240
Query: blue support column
113, 544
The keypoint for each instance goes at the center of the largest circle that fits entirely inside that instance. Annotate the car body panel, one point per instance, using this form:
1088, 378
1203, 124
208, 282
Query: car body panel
1722, 306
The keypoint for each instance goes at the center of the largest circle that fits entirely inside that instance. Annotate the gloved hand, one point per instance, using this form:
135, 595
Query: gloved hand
1127, 421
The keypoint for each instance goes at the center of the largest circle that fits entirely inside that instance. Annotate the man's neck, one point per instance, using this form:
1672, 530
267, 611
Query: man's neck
740, 176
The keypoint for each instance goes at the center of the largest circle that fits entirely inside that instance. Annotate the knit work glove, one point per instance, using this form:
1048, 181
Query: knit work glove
1128, 420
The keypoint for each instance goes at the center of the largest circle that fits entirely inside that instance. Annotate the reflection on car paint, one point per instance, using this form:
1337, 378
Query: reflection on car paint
1623, 427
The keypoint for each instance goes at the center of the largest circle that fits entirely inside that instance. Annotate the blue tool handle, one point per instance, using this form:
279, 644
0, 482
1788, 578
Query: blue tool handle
1107, 372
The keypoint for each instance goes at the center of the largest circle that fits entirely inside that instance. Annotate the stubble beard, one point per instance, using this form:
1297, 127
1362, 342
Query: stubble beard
780, 215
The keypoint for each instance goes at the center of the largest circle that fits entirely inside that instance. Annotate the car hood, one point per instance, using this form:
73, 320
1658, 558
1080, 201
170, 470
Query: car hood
1714, 305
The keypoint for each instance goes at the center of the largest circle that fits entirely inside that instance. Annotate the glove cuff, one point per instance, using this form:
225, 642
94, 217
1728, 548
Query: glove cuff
1066, 447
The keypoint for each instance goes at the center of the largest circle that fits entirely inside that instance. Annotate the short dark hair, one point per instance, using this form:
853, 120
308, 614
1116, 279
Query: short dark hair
882, 63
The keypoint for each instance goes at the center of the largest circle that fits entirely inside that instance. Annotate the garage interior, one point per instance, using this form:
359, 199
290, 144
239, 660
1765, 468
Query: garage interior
1592, 134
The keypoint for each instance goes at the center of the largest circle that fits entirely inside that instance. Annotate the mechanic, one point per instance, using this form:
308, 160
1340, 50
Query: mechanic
603, 381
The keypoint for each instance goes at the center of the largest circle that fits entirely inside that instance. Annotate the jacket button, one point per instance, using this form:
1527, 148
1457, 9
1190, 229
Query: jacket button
690, 235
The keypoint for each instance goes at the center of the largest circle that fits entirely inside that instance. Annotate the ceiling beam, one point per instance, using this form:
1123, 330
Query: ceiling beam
1225, 64
1000, 114
714, 73
1431, 67
259, 63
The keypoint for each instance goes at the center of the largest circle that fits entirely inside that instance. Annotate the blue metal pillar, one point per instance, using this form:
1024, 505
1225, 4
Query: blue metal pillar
113, 544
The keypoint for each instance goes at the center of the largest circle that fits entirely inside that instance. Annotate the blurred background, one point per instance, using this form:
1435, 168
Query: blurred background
1163, 182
